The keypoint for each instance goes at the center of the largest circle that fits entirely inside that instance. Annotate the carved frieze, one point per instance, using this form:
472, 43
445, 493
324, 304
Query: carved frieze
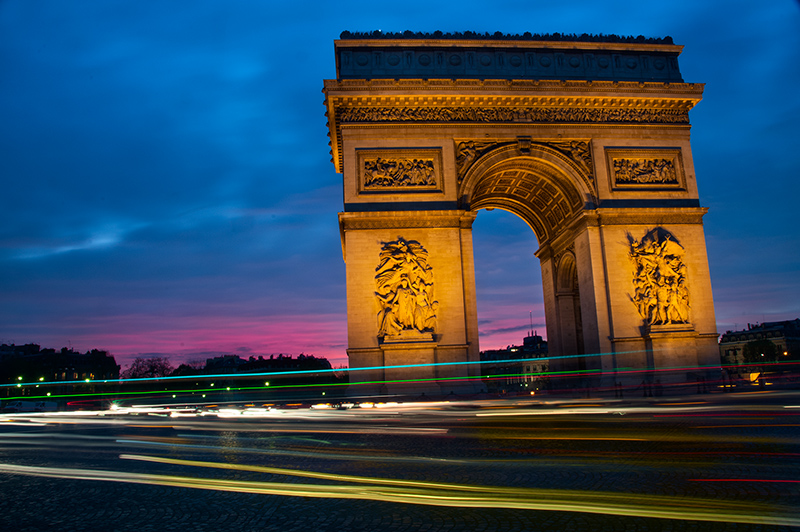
399, 170
645, 168
660, 293
579, 151
511, 114
404, 281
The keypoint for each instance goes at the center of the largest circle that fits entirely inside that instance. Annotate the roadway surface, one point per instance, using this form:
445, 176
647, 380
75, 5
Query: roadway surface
707, 462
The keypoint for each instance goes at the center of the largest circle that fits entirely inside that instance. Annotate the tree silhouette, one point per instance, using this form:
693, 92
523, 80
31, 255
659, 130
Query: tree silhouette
145, 368
759, 352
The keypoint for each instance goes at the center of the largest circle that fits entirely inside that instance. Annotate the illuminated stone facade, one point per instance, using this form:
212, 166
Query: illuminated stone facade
588, 142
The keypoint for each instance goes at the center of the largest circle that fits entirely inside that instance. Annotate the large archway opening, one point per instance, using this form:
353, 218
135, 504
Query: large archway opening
543, 197
508, 279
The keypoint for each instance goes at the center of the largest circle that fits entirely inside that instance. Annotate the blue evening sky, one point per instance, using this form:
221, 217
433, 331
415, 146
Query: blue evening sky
167, 186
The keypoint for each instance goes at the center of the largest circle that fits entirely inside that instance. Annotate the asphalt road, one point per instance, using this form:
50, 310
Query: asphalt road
720, 462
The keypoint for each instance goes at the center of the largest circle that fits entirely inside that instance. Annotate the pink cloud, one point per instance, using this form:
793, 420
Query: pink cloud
188, 338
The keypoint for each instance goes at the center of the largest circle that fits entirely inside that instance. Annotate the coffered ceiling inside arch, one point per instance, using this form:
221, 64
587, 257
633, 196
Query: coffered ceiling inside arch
543, 203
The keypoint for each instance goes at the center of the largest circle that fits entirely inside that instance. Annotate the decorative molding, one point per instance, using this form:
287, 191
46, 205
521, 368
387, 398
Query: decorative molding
643, 168
545, 115
377, 102
406, 220
572, 38
404, 281
681, 93
399, 170
645, 216
659, 278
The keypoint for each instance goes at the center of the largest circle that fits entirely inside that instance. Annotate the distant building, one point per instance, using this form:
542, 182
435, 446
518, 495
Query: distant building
223, 364
285, 363
783, 335
29, 363
517, 368
236, 364
288, 377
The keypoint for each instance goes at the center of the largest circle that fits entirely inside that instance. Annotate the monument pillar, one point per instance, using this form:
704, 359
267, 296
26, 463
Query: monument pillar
408, 317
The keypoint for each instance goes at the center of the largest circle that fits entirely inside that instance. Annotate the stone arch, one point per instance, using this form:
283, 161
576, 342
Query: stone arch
568, 308
566, 273
549, 191
542, 186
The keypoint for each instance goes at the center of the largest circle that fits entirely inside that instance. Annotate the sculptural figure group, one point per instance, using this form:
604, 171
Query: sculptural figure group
404, 282
660, 291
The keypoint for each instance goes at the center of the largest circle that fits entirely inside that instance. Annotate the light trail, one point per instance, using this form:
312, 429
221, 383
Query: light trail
303, 372
444, 494
228, 376
739, 480
216, 391
360, 457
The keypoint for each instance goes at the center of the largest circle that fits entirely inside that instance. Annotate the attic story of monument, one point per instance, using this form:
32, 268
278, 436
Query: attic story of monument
586, 139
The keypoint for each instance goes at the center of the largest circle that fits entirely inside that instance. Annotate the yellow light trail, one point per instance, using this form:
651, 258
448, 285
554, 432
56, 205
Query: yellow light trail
440, 494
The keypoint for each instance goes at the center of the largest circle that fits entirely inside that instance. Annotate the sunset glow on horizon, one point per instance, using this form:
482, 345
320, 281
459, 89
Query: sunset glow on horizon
168, 188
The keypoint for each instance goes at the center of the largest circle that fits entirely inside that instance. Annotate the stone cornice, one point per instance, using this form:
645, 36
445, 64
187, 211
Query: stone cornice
487, 102
630, 216
516, 43
458, 86
646, 216
405, 219
501, 37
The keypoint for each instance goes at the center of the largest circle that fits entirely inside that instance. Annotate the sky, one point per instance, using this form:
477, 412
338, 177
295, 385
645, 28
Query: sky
167, 187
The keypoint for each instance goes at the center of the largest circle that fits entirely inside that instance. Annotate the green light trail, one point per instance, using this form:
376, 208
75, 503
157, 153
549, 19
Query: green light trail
309, 371
216, 391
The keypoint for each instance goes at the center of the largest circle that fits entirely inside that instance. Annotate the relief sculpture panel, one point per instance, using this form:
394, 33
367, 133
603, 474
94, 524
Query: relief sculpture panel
629, 171
659, 278
399, 170
404, 281
637, 168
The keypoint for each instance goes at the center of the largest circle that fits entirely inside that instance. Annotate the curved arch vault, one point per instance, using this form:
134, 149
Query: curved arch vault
599, 167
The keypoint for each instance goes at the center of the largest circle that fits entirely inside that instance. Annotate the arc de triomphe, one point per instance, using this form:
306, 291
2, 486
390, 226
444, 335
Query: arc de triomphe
586, 141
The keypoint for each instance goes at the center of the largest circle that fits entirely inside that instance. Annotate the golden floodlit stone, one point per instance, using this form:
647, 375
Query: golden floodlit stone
595, 159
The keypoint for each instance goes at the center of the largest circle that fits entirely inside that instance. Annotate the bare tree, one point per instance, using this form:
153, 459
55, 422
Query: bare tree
341, 373
145, 368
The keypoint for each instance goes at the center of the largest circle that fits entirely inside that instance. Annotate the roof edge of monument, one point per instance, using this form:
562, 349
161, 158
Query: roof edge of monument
485, 56
499, 36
